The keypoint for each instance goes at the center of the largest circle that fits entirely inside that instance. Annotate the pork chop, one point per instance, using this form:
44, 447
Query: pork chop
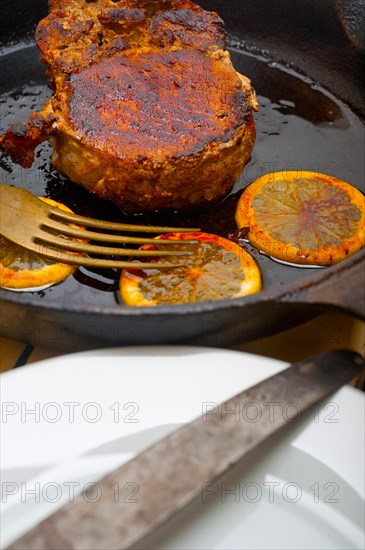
147, 110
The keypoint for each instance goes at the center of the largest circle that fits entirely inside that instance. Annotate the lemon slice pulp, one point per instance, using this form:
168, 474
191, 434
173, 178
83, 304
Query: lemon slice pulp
305, 218
217, 269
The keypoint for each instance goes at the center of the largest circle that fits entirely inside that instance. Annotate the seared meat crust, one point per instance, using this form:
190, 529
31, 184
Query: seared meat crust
148, 110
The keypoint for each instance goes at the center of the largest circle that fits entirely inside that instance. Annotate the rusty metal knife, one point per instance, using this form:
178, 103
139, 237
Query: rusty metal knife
170, 474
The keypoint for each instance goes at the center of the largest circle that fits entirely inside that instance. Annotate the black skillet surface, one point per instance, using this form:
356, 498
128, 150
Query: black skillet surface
305, 59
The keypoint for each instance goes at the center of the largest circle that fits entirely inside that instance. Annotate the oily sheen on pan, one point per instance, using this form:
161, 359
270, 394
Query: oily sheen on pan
148, 110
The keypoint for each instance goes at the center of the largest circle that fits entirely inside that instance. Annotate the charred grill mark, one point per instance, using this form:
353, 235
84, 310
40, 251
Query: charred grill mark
122, 18
57, 34
199, 29
118, 45
131, 104
152, 6
100, 39
188, 18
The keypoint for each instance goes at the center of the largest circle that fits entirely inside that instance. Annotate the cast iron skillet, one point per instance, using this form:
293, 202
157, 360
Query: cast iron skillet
306, 60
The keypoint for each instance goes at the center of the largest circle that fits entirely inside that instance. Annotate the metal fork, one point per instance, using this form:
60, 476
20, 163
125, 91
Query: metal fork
35, 225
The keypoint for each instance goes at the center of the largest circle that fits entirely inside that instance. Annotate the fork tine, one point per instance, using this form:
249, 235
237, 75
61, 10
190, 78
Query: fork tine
104, 237
76, 259
106, 250
25, 218
101, 224
18, 198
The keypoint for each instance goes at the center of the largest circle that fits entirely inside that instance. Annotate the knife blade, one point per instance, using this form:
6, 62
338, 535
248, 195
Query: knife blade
170, 474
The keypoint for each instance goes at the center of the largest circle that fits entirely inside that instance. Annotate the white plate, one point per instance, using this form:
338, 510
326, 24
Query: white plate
68, 421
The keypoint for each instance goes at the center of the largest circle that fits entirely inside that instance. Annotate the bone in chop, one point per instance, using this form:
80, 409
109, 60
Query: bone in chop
147, 110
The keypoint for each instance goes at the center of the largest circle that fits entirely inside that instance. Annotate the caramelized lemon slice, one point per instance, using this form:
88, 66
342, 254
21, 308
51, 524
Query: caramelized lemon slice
22, 269
304, 218
217, 269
